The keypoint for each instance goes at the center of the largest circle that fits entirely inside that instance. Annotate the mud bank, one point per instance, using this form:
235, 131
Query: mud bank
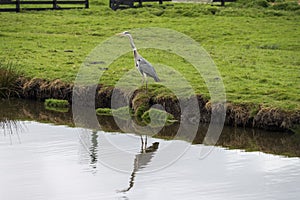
245, 115
15, 111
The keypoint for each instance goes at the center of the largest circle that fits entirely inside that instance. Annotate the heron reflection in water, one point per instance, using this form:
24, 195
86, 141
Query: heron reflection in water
141, 160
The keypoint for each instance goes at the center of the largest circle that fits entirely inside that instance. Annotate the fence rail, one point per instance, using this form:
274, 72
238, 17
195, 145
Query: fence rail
115, 4
16, 5
223, 1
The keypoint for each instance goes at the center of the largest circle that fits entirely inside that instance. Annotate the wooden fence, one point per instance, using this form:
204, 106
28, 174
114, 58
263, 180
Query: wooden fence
18, 5
223, 1
115, 4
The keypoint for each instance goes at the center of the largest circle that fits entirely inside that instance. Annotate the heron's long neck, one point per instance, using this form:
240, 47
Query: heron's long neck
135, 54
132, 43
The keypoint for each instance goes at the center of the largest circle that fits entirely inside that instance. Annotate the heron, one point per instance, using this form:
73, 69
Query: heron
143, 66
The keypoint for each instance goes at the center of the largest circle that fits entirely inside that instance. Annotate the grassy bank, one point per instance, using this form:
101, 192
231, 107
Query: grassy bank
255, 47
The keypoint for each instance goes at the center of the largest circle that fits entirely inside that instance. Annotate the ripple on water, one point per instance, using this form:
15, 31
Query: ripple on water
58, 162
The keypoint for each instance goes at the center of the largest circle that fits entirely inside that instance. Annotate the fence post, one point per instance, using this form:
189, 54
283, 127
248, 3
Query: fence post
54, 4
222, 2
17, 5
87, 4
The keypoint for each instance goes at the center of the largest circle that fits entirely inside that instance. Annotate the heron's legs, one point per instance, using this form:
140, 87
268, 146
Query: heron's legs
144, 144
142, 141
145, 79
146, 84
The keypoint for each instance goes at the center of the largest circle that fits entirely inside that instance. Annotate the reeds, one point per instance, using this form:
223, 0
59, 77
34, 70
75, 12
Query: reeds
11, 127
8, 80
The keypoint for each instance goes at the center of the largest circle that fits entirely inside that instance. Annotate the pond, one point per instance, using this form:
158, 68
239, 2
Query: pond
43, 156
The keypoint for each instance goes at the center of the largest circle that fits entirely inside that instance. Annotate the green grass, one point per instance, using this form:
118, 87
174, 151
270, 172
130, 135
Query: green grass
58, 105
123, 113
256, 48
9, 75
104, 111
157, 117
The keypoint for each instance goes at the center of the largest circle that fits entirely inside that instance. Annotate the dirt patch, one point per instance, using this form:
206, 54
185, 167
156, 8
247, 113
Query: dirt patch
40, 89
241, 115
276, 119
244, 115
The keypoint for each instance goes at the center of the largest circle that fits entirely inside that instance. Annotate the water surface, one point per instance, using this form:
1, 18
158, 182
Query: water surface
46, 161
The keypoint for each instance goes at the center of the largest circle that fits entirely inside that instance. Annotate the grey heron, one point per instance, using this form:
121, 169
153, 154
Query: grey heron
143, 66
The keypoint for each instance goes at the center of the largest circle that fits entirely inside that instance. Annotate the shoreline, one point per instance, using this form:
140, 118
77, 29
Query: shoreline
246, 139
244, 115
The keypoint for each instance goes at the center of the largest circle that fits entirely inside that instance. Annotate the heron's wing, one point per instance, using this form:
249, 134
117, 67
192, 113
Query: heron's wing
147, 68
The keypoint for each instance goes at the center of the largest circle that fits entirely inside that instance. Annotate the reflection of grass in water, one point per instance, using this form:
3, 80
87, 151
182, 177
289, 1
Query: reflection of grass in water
62, 110
296, 129
11, 127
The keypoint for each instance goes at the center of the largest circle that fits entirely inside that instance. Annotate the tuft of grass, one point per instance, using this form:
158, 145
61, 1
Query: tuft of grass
286, 5
58, 105
269, 46
104, 111
157, 117
141, 110
140, 104
9, 75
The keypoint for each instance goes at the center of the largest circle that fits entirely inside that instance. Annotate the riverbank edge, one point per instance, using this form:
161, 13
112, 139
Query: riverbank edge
243, 115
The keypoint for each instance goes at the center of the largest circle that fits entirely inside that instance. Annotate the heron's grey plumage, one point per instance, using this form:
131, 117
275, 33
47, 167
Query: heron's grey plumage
143, 66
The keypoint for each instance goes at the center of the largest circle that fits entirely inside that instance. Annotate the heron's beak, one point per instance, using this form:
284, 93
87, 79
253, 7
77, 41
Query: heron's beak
120, 34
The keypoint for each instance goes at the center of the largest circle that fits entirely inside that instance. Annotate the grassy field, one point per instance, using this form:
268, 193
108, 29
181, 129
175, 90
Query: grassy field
255, 46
